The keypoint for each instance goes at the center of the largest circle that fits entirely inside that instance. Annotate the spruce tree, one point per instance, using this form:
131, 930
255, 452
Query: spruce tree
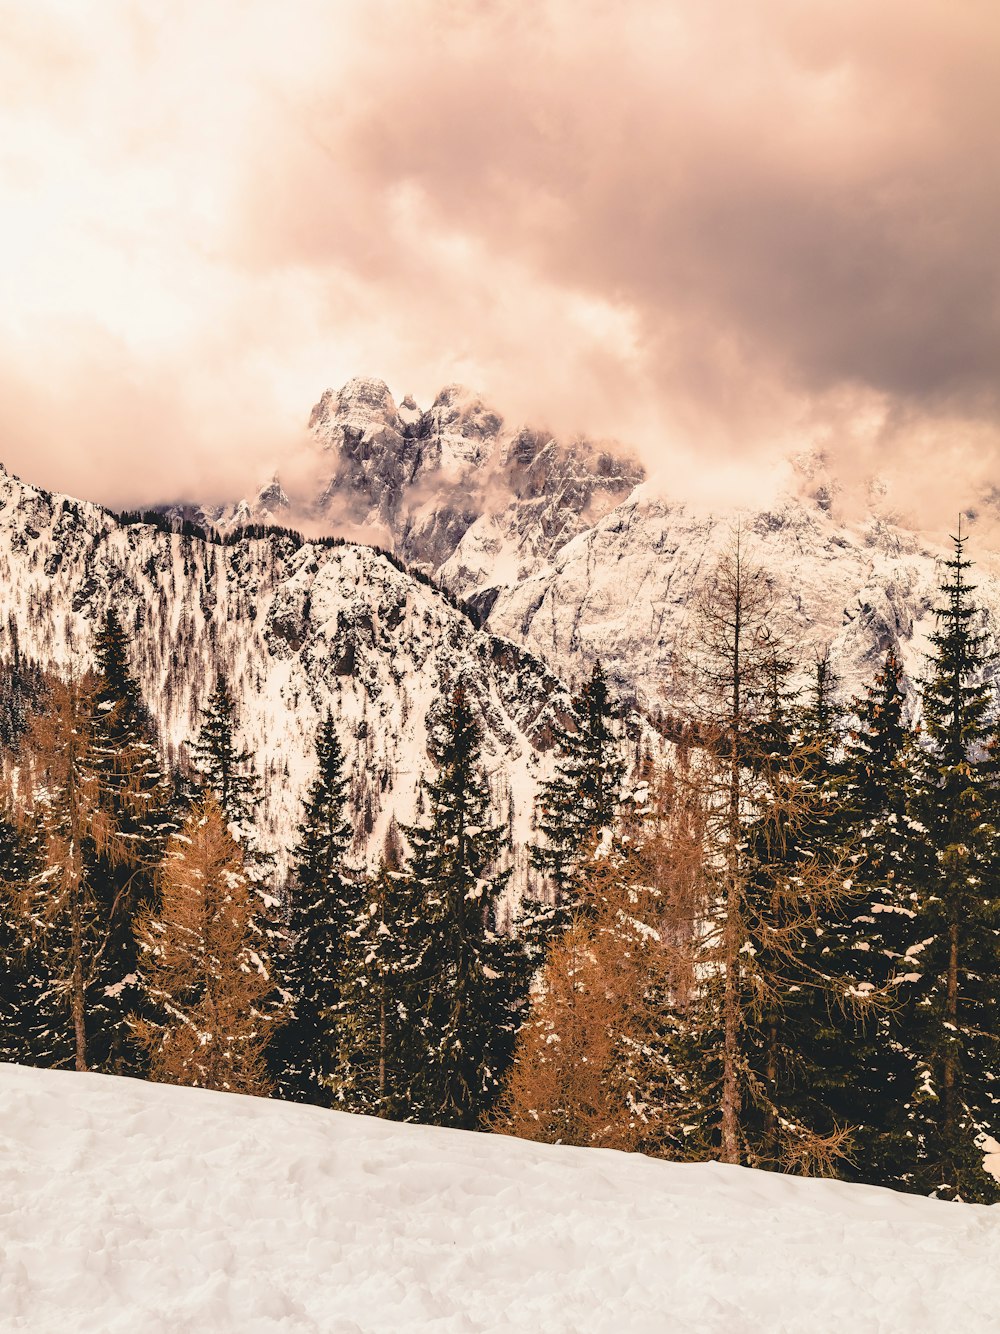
870, 1083
582, 798
958, 908
325, 899
32, 1012
224, 767
136, 801
376, 1054
792, 975
465, 978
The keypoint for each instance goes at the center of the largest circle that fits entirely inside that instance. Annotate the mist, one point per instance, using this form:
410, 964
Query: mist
721, 234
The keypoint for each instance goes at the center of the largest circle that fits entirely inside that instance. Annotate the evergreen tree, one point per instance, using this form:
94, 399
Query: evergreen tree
582, 797
958, 921
32, 1013
136, 802
223, 766
466, 980
793, 975
376, 1053
325, 901
870, 1079
206, 965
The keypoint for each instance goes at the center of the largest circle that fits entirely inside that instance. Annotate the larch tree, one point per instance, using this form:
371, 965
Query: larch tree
68, 921
594, 1063
206, 967
762, 810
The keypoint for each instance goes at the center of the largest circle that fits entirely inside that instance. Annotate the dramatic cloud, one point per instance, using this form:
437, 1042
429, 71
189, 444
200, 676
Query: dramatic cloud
724, 232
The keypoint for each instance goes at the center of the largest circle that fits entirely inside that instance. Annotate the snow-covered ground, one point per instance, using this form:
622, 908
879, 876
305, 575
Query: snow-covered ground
140, 1208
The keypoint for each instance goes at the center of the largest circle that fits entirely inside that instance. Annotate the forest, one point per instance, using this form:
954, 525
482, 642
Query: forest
780, 949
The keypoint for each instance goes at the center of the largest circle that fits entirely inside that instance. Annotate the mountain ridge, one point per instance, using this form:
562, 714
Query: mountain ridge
569, 549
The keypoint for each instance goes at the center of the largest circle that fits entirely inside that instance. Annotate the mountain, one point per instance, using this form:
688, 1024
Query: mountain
135, 1206
567, 549
299, 627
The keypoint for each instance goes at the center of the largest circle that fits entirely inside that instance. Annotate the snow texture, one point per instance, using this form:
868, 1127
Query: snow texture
564, 548
299, 629
129, 1206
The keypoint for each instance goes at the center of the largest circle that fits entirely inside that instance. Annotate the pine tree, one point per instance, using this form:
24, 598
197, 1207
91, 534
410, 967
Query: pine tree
870, 1078
466, 979
581, 798
32, 1013
376, 1054
958, 1032
325, 901
794, 975
136, 801
207, 969
223, 766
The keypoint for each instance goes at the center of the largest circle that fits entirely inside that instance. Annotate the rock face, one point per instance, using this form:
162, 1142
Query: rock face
565, 548
299, 627
423, 480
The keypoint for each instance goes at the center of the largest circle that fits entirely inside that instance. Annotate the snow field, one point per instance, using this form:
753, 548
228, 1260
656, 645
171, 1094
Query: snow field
134, 1207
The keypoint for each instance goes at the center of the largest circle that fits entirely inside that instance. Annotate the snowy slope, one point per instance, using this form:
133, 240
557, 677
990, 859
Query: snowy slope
624, 590
128, 1206
298, 628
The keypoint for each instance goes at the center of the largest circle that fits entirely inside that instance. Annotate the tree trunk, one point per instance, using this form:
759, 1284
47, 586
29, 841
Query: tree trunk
381, 1050
951, 1012
77, 999
731, 997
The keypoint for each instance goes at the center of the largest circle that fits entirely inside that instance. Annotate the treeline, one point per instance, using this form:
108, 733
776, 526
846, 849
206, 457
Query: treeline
781, 949
188, 529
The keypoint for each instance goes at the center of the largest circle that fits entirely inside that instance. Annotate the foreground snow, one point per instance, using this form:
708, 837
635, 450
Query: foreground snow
136, 1207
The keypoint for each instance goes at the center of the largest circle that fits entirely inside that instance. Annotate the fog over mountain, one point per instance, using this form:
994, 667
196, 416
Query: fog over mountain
721, 234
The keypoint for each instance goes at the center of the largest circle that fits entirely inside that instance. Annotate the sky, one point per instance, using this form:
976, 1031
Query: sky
722, 233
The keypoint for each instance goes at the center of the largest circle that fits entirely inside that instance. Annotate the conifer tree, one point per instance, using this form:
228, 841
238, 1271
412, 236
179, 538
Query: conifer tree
376, 1054
466, 979
33, 1027
59, 899
762, 810
136, 801
206, 965
870, 1079
794, 974
223, 766
325, 900
581, 798
594, 1060
958, 1009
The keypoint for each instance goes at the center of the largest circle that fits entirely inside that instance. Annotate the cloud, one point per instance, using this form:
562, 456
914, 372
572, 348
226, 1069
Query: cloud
721, 232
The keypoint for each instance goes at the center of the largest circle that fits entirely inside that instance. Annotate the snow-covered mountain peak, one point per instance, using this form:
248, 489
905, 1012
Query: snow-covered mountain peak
299, 628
